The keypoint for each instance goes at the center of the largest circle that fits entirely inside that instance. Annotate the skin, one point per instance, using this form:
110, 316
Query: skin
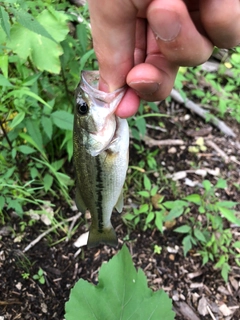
142, 43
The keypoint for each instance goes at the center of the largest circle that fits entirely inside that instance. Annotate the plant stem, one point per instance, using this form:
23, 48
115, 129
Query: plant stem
5, 135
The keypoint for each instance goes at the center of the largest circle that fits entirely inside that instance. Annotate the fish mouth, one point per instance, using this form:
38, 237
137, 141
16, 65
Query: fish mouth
114, 137
113, 140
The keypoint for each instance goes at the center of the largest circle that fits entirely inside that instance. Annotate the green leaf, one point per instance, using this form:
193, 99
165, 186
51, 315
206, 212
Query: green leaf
85, 58
55, 22
146, 182
159, 220
154, 191
17, 119
9, 172
199, 235
141, 125
4, 67
177, 203
81, 31
144, 208
187, 244
201, 209
207, 185
43, 52
236, 244
150, 217
153, 106
16, 205
236, 58
229, 215
128, 216
2, 202
28, 21
225, 271
175, 212
183, 229
63, 119
29, 139
227, 204
4, 21
41, 280
194, 198
25, 91
221, 184
29, 81
121, 293
57, 164
40, 272
220, 262
26, 149
47, 126
144, 194
64, 179
34, 131
33, 172
4, 82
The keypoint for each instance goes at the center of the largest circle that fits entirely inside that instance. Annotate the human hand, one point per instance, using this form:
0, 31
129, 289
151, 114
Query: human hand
143, 42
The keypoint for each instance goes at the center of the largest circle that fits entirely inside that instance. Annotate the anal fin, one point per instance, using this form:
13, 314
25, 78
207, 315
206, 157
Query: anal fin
119, 204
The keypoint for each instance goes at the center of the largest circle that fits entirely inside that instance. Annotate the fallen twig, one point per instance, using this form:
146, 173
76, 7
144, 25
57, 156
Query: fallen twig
76, 217
32, 244
213, 145
202, 113
168, 142
210, 312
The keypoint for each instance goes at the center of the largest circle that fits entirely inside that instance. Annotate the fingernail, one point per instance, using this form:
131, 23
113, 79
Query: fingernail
166, 25
145, 87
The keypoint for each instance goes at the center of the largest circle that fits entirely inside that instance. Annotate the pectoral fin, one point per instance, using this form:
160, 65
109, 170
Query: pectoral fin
119, 204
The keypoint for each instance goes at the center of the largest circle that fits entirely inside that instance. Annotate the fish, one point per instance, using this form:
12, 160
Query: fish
100, 155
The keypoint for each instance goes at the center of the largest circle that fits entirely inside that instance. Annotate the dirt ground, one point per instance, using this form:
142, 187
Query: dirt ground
198, 292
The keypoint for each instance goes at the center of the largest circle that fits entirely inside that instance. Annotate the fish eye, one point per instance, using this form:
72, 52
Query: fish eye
82, 108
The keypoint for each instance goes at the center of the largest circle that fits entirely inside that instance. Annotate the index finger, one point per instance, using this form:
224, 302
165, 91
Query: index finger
113, 29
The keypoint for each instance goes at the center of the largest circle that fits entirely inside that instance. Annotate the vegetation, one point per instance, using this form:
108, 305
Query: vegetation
37, 95
125, 291
36, 120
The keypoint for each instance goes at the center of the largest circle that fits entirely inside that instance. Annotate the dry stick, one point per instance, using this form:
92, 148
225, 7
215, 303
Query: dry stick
217, 149
202, 113
210, 312
168, 142
76, 217
213, 145
31, 244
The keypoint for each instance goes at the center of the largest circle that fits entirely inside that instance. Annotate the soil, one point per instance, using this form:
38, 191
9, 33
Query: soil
198, 292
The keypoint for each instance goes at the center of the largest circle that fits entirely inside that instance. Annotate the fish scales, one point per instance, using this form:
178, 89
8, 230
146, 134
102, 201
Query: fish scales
101, 142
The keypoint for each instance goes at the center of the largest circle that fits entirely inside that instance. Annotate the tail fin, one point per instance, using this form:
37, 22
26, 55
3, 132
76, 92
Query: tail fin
107, 236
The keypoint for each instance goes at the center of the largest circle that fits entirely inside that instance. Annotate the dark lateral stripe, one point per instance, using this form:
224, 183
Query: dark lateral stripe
99, 185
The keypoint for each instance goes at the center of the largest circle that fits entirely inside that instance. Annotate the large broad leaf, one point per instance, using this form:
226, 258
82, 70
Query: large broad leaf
28, 21
121, 294
42, 51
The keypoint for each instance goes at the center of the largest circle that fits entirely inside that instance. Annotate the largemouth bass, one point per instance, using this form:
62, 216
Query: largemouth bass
101, 142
